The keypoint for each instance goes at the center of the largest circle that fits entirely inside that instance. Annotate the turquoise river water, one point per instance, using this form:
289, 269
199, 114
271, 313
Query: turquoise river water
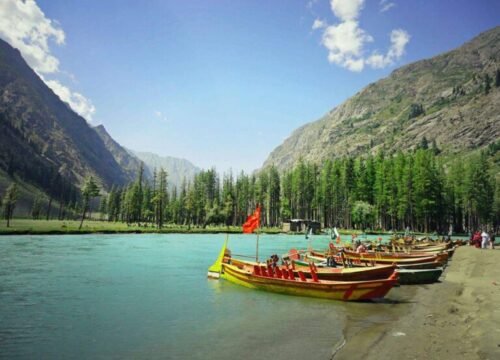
147, 296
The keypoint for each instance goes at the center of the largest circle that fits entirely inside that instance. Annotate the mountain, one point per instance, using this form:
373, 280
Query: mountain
41, 138
444, 99
177, 169
129, 163
130, 160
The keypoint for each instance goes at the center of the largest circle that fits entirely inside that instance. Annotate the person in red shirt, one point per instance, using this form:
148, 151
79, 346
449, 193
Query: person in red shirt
476, 239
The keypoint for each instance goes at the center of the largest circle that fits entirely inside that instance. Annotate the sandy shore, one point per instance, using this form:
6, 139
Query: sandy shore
458, 318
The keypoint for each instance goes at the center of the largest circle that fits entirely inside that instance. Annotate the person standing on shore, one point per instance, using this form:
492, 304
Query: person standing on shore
476, 240
485, 240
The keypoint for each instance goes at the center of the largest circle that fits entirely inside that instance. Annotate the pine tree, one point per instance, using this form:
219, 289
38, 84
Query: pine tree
9, 202
274, 196
103, 207
160, 198
36, 207
424, 143
487, 84
90, 190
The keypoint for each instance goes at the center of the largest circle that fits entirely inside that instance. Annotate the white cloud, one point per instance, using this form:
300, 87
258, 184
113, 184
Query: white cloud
347, 9
385, 5
346, 41
24, 26
318, 24
399, 39
377, 61
79, 103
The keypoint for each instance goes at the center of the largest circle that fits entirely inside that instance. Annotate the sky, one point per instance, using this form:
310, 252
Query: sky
222, 83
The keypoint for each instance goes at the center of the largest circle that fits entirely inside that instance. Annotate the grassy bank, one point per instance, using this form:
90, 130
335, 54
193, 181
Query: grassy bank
54, 227
44, 227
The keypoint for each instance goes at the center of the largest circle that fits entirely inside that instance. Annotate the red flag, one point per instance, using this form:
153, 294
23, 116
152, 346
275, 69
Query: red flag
253, 221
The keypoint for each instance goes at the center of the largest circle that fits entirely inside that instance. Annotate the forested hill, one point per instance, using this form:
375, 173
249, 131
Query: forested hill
41, 138
451, 100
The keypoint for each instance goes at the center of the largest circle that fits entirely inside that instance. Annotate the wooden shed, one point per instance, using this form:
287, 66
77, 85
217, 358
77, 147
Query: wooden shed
301, 225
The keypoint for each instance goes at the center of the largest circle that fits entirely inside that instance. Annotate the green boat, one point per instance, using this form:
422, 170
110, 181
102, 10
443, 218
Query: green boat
419, 276
427, 265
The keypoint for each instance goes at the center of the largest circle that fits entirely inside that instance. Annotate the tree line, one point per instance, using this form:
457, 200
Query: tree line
413, 190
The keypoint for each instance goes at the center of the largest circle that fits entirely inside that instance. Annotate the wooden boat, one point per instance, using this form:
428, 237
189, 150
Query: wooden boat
428, 265
429, 248
414, 248
283, 280
302, 261
389, 258
349, 273
419, 276
352, 258
430, 245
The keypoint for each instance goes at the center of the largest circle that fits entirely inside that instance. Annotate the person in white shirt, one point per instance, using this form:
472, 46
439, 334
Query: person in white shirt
485, 240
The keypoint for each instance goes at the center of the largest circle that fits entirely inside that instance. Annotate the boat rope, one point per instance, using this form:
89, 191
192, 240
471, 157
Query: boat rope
338, 348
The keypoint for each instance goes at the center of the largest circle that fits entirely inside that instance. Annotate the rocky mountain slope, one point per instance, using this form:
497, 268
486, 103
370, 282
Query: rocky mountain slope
452, 99
178, 169
41, 137
127, 161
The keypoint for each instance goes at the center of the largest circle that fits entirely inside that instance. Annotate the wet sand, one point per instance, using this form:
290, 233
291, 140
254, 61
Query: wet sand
458, 318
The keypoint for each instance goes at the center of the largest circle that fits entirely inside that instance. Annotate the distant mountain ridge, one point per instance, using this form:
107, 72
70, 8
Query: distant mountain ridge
178, 170
130, 160
443, 99
127, 160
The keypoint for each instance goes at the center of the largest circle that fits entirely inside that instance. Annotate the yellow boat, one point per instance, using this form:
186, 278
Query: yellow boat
283, 280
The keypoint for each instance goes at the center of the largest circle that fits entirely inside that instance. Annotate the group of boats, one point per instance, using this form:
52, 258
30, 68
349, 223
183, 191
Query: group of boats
339, 273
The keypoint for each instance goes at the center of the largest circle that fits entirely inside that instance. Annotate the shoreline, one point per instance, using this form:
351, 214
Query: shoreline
455, 318
70, 227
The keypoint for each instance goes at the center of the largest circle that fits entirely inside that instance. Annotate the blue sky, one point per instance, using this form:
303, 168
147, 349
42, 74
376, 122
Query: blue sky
222, 83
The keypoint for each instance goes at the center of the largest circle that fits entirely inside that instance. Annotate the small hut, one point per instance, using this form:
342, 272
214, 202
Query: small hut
301, 225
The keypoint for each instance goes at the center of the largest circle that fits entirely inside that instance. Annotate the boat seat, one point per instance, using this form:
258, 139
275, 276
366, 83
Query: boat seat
285, 274
256, 270
263, 271
270, 270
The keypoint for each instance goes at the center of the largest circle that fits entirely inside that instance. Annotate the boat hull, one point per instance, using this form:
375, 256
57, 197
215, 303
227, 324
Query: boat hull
428, 265
346, 291
419, 276
351, 274
390, 259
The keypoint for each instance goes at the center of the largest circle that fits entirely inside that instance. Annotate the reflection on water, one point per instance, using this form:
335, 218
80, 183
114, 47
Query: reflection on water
147, 296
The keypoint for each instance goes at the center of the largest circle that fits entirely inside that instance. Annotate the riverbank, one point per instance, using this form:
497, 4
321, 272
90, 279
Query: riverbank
455, 319
67, 227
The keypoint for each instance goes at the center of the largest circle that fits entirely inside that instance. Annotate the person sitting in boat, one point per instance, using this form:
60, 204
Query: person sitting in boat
330, 261
361, 248
274, 260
